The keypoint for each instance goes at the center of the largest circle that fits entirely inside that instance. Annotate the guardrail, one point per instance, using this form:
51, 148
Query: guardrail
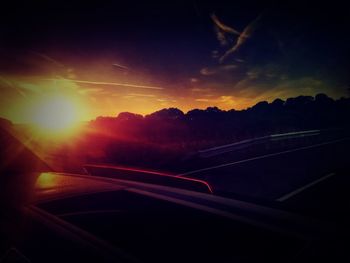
247, 143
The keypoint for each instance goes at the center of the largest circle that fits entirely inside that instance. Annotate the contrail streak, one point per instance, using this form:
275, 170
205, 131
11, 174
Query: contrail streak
224, 27
109, 84
247, 33
120, 66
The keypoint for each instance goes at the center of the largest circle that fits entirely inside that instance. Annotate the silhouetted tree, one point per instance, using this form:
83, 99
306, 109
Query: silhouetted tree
200, 128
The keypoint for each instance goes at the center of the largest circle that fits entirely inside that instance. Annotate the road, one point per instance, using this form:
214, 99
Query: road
328, 199
275, 175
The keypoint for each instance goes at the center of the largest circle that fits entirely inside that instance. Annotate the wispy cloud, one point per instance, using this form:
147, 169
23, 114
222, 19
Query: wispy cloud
89, 90
109, 83
224, 27
239, 60
202, 100
196, 89
223, 101
227, 99
215, 54
242, 38
222, 30
228, 67
166, 100
218, 69
141, 95
255, 90
207, 71
221, 37
120, 66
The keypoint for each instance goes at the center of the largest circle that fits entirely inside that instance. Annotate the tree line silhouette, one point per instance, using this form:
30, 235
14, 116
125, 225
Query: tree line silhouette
201, 128
163, 139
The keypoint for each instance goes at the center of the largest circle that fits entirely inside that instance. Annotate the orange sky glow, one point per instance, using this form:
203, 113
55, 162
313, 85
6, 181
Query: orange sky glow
82, 92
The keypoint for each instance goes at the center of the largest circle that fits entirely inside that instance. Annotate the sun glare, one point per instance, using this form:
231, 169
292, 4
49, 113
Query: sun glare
56, 115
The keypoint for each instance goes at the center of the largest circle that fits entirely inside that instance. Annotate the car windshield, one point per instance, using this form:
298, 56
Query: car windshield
242, 100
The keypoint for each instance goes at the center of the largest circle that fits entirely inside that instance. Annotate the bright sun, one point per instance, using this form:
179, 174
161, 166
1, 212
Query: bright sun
56, 114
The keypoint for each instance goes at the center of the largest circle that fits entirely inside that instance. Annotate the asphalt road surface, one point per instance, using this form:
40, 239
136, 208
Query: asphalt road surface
327, 199
279, 176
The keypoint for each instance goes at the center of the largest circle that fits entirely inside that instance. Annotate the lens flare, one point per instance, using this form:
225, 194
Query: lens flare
56, 115
46, 181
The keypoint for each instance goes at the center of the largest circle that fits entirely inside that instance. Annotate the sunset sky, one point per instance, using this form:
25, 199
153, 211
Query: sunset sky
106, 57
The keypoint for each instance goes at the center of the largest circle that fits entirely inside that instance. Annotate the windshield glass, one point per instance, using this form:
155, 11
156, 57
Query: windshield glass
250, 100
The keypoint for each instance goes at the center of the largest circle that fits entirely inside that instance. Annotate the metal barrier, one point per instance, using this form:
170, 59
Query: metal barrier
260, 140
